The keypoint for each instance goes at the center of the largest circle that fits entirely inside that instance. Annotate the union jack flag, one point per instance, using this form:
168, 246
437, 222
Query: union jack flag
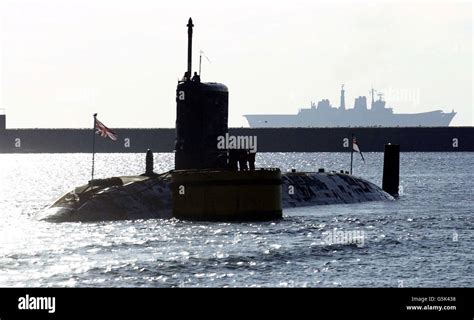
103, 131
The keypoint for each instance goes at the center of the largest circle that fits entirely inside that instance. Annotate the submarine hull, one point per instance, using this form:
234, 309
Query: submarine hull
158, 197
323, 188
137, 197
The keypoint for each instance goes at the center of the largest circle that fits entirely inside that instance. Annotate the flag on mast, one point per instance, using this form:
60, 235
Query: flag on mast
355, 147
103, 131
203, 54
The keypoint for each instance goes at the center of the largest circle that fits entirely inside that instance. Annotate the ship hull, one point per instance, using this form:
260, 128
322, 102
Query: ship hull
351, 118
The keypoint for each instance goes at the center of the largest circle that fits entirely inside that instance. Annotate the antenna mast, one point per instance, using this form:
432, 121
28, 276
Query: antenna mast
190, 26
343, 100
372, 92
200, 58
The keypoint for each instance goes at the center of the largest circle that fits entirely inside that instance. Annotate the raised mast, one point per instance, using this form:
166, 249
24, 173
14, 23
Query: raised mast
343, 100
190, 26
372, 91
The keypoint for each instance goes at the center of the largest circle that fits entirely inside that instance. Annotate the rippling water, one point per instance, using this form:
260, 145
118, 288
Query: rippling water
423, 239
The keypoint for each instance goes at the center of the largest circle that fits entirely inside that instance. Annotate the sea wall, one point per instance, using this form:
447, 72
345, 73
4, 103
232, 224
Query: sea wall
424, 139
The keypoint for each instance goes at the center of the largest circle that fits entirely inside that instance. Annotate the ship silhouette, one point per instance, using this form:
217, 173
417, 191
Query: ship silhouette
324, 115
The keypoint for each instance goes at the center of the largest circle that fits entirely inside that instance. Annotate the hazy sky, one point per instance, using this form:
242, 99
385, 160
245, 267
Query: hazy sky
63, 60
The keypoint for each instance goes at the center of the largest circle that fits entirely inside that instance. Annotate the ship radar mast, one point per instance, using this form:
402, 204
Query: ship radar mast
372, 91
343, 100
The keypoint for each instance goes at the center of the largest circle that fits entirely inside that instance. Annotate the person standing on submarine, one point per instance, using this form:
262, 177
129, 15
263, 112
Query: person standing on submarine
196, 77
243, 159
251, 158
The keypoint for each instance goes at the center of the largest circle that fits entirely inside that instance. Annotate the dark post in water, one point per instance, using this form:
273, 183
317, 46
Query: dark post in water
391, 169
149, 163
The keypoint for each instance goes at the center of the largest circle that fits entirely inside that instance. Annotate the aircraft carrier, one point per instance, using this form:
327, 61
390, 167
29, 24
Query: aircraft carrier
324, 115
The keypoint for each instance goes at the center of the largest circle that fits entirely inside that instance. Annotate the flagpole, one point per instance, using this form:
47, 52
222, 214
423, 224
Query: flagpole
352, 149
200, 57
93, 151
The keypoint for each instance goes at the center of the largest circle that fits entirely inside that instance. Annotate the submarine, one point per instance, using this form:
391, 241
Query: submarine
211, 182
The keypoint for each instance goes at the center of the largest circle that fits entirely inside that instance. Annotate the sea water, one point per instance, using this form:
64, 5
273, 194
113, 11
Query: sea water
424, 239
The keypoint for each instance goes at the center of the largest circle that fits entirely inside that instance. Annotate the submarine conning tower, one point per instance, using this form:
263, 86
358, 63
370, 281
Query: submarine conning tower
201, 117
206, 185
